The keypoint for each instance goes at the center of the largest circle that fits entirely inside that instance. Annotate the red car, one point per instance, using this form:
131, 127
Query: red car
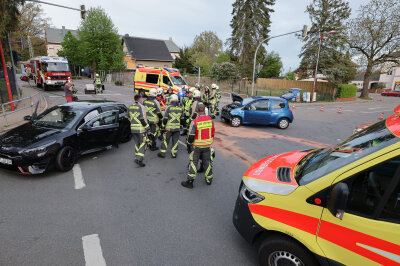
395, 93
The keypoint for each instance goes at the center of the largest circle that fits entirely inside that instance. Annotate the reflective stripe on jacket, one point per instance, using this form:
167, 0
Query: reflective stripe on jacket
173, 114
137, 114
204, 131
152, 109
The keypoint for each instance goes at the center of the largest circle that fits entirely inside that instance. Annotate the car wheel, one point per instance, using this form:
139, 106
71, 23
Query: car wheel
45, 87
125, 134
279, 250
236, 121
65, 159
283, 123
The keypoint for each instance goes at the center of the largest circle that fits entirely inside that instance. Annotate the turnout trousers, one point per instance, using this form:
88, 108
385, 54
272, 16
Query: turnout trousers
205, 155
153, 137
140, 145
174, 137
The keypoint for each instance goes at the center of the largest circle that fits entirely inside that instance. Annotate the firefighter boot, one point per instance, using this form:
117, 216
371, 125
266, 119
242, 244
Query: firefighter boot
188, 183
140, 163
160, 155
209, 181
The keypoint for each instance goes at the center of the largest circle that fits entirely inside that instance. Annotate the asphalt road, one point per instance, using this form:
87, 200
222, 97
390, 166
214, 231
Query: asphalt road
124, 215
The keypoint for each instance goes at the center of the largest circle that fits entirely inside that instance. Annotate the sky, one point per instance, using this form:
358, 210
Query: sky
183, 20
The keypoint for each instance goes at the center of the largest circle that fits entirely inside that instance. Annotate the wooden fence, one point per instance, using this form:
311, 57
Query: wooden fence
279, 84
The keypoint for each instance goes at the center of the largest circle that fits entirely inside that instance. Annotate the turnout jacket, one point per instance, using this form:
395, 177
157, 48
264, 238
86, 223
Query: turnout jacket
173, 117
153, 110
137, 116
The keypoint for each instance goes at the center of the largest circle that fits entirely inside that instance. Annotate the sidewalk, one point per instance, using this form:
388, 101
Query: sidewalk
15, 119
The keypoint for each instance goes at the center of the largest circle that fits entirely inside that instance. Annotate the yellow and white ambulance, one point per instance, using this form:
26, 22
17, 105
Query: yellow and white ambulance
334, 206
147, 78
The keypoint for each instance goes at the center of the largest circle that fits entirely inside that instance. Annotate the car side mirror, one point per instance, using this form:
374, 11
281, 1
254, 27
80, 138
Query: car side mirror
28, 118
337, 202
246, 107
86, 127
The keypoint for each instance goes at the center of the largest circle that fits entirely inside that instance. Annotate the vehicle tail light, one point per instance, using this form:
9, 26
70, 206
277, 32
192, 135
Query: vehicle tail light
291, 111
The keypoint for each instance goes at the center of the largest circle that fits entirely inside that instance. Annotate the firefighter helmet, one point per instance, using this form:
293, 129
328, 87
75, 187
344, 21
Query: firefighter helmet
192, 89
197, 86
214, 86
174, 98
196, 93
153, 92
97, 75
160, 91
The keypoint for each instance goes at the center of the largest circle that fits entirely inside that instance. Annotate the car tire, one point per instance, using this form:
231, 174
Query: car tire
280, 250
236, 121
125, 134
223, 119
65, 159
45, 87
283, 123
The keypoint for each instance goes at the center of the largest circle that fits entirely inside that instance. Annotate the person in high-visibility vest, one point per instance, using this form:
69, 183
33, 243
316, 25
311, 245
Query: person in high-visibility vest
218, 97
168, 95
187, 103
200, 138
213, 100
171, 125
154, 117
139, 128
98, 83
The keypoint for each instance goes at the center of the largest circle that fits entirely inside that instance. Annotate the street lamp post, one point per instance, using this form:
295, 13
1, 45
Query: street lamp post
304, 31
316, 65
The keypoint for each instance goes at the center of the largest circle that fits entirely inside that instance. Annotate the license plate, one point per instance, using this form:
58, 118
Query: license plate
5, 161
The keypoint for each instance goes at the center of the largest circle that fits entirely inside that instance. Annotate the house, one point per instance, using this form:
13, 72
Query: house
386, 80
54, 37
148, 52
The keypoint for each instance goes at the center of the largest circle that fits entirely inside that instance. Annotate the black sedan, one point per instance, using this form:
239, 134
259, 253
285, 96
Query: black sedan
59, 135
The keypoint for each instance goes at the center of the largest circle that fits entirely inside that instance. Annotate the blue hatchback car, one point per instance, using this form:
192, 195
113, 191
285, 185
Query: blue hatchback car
258, 110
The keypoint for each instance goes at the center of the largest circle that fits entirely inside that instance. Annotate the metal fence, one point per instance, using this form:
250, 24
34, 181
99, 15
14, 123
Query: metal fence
20, 105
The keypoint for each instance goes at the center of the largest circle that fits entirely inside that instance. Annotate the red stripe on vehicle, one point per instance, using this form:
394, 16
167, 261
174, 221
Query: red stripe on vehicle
348, 239
300, 221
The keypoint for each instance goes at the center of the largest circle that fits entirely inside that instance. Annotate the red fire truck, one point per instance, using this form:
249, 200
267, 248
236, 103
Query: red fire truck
49, 71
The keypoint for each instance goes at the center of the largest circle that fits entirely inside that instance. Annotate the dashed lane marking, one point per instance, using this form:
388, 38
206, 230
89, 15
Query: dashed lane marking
78, 177
92, 251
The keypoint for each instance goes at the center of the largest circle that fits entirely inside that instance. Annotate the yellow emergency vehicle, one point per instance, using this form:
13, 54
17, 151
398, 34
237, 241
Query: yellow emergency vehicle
333, 206
147, 78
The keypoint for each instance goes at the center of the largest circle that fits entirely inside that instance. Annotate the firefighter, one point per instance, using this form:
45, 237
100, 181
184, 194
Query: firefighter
161, 99
187, 103
196, 102
168, 95
154, 116
213, 100
200, 138
139, 127
98, 83
206, 96
171, 125
218, 97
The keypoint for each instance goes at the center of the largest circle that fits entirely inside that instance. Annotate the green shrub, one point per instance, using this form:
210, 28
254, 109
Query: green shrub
347, 90
118, 83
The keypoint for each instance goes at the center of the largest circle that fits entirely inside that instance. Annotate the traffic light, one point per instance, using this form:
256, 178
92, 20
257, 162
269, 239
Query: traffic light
83, 12
304, 31
196, 69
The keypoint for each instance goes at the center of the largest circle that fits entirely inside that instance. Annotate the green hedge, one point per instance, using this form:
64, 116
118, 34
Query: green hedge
347, 90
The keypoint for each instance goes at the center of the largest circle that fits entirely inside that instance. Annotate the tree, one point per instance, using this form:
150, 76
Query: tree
341, 71
204, 61
250, 24
100, 42
223, 57
272, 66
184, 61
71, 49
290, 75
207, 43
325, 16
31, 20
8, 14
224, 71
374, 36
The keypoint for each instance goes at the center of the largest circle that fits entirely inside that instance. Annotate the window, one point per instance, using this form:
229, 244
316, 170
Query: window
368, 188
120, 108
58, 117
152, 78
103, 119
90, 115
278, 104
259, 106
166, 80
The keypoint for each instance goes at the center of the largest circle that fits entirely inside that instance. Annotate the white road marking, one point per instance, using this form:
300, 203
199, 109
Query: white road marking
78, 177
180, 142
92, 251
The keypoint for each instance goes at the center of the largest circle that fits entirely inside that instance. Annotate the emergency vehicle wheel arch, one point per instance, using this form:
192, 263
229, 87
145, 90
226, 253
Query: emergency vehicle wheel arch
269, 236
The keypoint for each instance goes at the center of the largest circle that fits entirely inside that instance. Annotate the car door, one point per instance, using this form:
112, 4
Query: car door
369, 231
257, 112
277, 110
100, 131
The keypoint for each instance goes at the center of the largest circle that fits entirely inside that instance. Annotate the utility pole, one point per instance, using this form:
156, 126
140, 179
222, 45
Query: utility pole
304, 34
199, 77
13, 65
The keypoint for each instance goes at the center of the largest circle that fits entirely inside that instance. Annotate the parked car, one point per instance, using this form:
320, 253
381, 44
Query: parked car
395, 93
60, 134
258, 110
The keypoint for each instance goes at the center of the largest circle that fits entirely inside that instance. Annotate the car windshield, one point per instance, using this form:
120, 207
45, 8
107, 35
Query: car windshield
178, 80
325, 161
62, 117
247, 100
56, 67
